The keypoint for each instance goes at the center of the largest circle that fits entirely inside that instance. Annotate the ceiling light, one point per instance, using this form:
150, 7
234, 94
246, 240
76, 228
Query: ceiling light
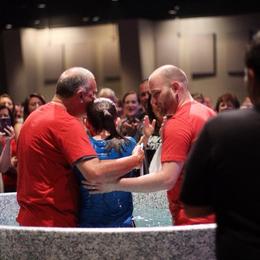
115, 0
41, 6
37, 22
172, 12
95, 18
85, 19
8, 26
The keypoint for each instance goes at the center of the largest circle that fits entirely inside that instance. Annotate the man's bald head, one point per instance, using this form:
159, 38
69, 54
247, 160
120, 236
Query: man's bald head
170, 73
73, 78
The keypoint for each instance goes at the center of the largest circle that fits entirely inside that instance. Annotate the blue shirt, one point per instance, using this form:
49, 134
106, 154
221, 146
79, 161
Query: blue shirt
113, 209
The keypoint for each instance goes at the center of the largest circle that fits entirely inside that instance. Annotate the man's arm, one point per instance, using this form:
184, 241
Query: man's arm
110, 170
164, 179
196, 211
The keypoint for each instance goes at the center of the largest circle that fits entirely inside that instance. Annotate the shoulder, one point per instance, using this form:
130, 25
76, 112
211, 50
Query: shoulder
231, 122
130, 140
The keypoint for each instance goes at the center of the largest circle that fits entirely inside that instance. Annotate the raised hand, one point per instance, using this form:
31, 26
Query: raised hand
148, 128
10, 134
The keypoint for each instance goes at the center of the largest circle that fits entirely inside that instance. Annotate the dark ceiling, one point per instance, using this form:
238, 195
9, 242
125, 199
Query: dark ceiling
39, 14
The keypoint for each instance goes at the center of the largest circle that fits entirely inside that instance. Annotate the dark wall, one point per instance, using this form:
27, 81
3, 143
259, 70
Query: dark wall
3, 83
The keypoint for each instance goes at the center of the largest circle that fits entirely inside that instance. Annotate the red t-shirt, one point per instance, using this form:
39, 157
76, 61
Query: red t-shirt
179, 134
50, 141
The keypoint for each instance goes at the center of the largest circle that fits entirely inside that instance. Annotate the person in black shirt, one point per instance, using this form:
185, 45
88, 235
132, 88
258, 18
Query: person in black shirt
222, 174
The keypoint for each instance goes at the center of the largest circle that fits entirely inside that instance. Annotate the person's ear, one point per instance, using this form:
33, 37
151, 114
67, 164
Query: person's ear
80, 95
175, 86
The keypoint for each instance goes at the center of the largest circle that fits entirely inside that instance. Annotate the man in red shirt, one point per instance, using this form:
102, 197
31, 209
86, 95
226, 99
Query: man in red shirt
168, 86
51, 141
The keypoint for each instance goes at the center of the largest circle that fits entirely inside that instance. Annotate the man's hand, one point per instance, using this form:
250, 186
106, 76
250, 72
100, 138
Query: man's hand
95, 188
139, 153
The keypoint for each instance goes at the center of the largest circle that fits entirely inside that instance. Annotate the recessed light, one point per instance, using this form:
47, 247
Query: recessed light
8, 26
172, 12
95, 18
85, 19
41, 6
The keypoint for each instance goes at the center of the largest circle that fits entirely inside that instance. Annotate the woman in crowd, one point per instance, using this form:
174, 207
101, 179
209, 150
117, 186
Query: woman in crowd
31, 103
131, 121
8, 161
7, 101
227, 102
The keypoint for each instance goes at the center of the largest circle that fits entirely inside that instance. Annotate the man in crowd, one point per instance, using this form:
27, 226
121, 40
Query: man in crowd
144, 95
168, 86
51, 141
222, 174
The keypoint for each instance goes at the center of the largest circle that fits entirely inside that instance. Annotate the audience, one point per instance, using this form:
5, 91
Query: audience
110, 94
247, 103
144, 95
7, 101
8, 161
131, 121
227, 102
31, 103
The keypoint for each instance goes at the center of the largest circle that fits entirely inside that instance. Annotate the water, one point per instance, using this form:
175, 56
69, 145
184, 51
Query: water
152, 217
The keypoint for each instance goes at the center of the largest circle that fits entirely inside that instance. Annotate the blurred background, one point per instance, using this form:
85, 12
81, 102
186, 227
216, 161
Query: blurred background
122, 42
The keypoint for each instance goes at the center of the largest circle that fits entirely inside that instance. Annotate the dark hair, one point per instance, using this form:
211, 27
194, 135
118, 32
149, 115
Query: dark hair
198, 97
252, 57
13, 112
101, 114
9, 112
130, 93
227, 97
26, 103
144, 80
67, 85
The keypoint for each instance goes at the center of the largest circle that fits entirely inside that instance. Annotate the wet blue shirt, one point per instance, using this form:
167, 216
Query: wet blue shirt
113, 209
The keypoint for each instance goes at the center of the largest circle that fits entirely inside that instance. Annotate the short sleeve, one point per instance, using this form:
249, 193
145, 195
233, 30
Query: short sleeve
74, 141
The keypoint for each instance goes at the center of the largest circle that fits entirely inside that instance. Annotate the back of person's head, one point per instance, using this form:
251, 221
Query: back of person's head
71, 79
108, 93
101, 115
26, 103
252, 57
198, 97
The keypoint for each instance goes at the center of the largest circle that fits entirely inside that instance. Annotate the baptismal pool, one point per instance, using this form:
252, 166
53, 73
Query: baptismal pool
152, 217
153, 238
151, 209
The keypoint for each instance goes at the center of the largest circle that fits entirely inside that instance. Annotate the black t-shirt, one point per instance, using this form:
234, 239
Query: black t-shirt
223, 172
